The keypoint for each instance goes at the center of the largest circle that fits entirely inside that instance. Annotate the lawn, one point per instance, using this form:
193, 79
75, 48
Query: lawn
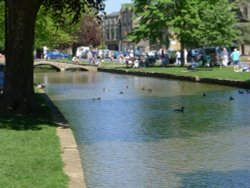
30, 153
225, 73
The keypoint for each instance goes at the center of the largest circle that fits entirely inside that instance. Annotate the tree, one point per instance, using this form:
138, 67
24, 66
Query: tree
192, 22
243, 10
20, 26
49, 33
88, 33
1, 25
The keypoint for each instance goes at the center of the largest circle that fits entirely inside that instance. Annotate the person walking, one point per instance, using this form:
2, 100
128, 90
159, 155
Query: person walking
235, 55
178, 58
224, 56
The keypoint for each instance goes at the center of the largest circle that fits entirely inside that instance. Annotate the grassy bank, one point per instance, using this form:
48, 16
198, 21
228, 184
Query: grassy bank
30, 153
224, 73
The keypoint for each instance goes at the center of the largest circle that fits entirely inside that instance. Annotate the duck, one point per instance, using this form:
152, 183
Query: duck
150, 90
121, 92
204, 94
95, 99
231, 98
179, 109
40, 86
241, 92
104, 89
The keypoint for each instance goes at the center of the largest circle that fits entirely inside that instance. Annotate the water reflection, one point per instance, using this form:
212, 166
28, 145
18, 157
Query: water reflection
135, 139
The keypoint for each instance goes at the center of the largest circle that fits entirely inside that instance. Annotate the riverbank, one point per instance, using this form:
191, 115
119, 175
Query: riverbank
212, 75
70, 154
31, 154
39, 150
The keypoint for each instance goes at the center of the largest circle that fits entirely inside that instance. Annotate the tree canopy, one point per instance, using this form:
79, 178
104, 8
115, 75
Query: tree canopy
192, 22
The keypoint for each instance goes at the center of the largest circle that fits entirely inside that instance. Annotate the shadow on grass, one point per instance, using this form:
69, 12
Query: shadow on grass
22, 123
34, 121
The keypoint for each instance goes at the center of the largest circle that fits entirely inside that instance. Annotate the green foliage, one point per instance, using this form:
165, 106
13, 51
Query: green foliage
50, 33
193, 22
1, 24
244, 21
55, 35
244, 37
218, 23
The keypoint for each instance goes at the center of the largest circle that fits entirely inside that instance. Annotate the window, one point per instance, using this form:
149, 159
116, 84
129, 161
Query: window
107, 34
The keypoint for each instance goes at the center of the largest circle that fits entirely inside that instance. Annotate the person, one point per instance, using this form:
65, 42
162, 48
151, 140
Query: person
2, 68
224, 55
45, 52
136, 63
161, 55
111, 56
121, 57
74, 60
185, 56
178, 58
90, 57
235, 55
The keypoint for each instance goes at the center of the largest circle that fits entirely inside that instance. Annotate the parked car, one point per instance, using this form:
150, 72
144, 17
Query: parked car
153, 54
103, 54
197, 51
211, 56
171, 56
56, 55
83, 55
82, 51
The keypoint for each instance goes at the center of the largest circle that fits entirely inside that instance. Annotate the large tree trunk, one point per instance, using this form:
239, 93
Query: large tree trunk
20, 29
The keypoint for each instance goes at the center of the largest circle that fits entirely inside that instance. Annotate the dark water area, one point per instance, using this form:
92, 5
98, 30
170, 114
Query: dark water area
132, 138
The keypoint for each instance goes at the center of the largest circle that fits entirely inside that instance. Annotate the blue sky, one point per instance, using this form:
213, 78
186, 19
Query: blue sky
114, 5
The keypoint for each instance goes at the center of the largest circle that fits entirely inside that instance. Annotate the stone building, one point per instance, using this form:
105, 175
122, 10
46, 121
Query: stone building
117, 26
244, 26
111, 31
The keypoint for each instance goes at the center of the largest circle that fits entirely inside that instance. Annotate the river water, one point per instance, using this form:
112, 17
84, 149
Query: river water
132, 138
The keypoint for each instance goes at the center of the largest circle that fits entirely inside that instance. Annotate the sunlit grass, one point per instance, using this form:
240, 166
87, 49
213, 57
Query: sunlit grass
225, 73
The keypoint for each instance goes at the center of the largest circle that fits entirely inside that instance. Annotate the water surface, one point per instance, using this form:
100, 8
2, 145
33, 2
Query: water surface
135, 140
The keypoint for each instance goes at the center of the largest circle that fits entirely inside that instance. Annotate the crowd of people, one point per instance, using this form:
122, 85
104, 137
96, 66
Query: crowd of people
134, 58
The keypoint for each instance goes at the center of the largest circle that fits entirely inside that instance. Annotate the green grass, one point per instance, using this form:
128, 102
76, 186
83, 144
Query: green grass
30, 153
225, 73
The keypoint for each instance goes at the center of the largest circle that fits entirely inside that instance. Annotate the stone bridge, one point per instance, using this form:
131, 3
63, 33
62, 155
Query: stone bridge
66, 66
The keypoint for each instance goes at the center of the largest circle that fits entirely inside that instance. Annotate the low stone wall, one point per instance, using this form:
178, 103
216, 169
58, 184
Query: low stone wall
234, 83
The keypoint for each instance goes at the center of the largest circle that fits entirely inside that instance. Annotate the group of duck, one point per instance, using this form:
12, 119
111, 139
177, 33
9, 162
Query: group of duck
182, 108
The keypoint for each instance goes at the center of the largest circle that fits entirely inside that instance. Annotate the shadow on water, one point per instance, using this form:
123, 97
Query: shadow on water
216, 179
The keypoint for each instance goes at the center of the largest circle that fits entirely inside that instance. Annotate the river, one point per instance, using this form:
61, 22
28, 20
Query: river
132, 138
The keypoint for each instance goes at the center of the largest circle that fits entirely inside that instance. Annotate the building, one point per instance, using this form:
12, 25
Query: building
244, 26
111, 31
117, 26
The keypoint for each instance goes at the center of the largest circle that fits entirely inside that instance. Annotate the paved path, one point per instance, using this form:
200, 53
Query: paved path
70, 153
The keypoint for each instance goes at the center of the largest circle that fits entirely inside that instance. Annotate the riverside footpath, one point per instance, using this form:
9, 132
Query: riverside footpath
70, 153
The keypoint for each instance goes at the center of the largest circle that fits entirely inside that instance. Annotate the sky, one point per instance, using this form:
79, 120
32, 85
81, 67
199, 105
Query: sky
114, 5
